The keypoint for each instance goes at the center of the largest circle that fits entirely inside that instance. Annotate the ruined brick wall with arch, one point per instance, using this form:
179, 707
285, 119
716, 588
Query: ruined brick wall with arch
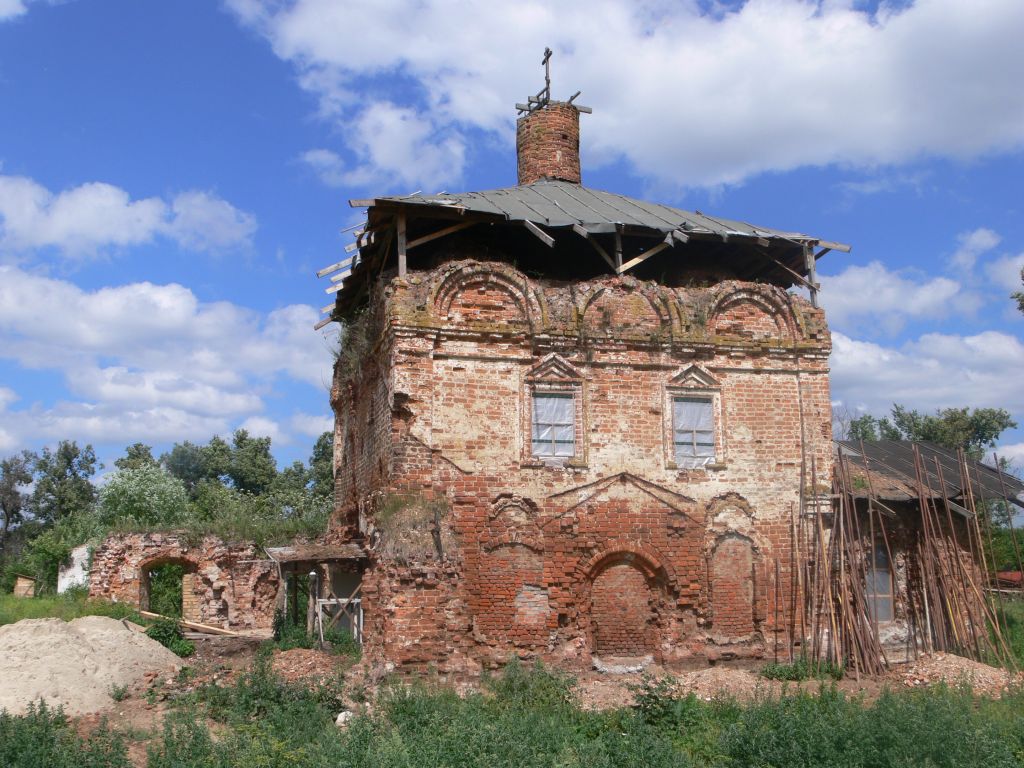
234, 586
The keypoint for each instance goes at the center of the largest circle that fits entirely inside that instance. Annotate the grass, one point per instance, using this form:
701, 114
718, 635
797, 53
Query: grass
529, 717
801, 669
71, 605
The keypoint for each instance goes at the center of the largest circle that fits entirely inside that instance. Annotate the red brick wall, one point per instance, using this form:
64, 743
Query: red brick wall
732, 588
621, 612
454, 376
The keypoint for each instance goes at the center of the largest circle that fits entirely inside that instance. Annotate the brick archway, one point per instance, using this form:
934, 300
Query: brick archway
626, 590
189, 608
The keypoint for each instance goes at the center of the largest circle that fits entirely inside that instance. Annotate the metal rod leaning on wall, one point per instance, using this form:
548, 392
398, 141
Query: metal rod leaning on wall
1009, 515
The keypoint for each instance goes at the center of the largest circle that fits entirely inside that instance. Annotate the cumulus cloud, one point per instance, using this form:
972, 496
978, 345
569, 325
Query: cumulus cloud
85, 219
780, 84
260, 426
876, 296
150, 360
311, 424
327, 165
1006, 271
10, 9
934, 371
973, 244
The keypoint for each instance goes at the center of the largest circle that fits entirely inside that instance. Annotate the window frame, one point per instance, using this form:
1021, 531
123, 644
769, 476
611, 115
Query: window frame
537, 394
695, 387
696, 459
873, 598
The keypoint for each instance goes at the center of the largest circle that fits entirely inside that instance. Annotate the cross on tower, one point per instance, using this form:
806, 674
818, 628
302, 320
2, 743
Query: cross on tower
543, 97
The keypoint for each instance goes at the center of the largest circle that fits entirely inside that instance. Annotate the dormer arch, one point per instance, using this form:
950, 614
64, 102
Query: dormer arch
478, 294
752, 313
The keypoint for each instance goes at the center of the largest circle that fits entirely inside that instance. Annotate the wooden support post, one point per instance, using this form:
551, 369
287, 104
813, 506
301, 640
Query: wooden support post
294, 579
812, 274
402, 266
311, 603
645, 255
618, 251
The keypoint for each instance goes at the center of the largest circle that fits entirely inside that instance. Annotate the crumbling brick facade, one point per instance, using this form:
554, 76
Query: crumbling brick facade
615, 548
233, 586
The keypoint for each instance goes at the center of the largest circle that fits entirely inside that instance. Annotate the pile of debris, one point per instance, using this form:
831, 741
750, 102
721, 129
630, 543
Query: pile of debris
955, 671
78, 665
311, 666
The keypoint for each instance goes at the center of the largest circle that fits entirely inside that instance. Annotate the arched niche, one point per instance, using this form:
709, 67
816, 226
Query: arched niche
751, 314
488, 295
623, 310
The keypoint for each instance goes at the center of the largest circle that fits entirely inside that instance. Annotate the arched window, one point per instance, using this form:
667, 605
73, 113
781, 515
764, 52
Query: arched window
878, 589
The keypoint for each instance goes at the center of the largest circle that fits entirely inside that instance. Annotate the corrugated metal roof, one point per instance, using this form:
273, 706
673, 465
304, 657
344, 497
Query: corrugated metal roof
564, 204
894, 461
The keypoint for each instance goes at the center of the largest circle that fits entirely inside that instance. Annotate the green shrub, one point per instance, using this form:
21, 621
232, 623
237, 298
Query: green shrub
168, 634
65, 606
43, 737
803, 668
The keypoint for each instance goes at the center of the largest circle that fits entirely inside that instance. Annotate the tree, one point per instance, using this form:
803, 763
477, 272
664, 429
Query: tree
15, 475
252, 467
145, 495
321, 465
187, 462
972, 430
136, 455
62, 481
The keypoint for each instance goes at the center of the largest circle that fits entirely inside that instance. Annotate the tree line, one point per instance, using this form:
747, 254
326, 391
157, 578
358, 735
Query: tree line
50, 502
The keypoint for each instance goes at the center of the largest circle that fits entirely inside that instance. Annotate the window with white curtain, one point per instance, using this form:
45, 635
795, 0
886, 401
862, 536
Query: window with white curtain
554, 424
693, 431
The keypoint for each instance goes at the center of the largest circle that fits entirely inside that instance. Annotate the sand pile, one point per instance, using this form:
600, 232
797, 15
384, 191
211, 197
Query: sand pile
722, 682
75, 664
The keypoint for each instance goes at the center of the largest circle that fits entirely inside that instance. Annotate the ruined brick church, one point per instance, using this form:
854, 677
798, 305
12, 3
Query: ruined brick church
572, 425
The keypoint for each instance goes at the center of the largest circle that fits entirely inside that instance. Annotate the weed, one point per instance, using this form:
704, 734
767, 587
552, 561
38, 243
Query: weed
119, 692
168, 634
803, 668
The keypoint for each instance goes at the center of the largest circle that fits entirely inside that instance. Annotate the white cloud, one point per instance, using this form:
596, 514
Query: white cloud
311, 424
85, 219
779, 84
260, 426
935, 371
327, 165
1006, 271
150, 360
10, 9
972, 245
205, 222
876, 296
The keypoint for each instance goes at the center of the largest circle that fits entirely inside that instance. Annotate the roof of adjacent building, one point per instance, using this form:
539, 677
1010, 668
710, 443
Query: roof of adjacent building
888, 468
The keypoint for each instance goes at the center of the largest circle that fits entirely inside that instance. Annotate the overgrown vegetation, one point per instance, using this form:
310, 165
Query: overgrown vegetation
169, 635
44, 737
529, 717
803, 668
68, 606
413, 528
288, 636
233, 490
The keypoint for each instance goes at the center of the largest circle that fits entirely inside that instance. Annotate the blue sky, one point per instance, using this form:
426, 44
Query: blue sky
172, 175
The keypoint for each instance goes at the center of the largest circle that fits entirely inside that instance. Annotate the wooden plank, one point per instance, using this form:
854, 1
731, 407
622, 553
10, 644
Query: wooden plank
643, 256
835, 246
193, 625
439, 233
340, 276
327, 308
402, 266
362, 203
618, 250
821, 253
540, 234
322, 323
679, 236
579, 230
335, 266
334, 288
800, 278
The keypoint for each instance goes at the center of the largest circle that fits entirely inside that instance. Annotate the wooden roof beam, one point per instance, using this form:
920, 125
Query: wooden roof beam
666, 243
579, 230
